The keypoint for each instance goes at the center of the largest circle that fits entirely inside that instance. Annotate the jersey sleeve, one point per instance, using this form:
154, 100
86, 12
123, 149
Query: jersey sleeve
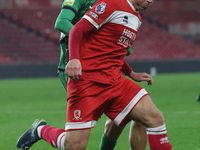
76, 35
100, 13
126, 69
68, 12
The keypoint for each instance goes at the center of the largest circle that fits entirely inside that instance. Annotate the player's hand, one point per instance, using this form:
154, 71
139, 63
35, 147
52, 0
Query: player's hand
138, 77
73, 69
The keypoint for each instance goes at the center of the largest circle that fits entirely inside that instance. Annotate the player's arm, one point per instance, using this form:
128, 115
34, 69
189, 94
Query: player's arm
73, 68
138, 77
63, 22
68, 12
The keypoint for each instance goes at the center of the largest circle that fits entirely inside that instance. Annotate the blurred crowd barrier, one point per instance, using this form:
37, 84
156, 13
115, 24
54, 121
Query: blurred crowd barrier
170, 31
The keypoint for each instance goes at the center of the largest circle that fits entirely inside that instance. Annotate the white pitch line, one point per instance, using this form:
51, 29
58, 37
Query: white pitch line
181, 112
32, 112
64, 111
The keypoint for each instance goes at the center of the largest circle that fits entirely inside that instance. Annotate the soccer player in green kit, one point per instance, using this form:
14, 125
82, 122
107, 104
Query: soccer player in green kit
72, 11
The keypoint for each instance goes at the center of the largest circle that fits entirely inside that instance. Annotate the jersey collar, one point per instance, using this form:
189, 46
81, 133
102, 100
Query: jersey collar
132, 6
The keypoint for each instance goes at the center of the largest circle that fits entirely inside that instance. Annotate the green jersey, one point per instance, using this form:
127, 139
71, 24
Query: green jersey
72, 11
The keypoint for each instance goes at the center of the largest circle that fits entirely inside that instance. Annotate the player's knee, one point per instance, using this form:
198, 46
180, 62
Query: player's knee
154, 119
108, 125
137, 124
112, 131
148, 113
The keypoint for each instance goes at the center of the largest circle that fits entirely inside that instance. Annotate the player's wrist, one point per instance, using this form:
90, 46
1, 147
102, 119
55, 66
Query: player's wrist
71, 58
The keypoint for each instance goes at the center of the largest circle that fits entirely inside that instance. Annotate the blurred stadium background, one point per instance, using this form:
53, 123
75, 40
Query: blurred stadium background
168, 40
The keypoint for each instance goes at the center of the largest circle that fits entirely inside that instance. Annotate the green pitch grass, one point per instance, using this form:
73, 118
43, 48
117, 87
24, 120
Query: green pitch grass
24, 100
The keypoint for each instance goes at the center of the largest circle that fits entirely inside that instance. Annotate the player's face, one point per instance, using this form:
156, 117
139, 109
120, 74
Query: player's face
142, 4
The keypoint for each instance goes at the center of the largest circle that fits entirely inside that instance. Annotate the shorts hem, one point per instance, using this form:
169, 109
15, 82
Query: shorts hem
80, 125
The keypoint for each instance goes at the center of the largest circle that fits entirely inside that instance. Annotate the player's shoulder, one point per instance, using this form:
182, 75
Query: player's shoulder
108, 5
112, 4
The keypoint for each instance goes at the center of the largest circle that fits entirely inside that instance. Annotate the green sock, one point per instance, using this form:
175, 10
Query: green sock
107, 144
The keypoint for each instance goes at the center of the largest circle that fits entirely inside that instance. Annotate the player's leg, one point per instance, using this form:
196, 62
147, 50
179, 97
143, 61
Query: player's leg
40, 130
56, 137
136, 104
110, 136
77, 139
148, 114
137, 136
84, 108
31, 136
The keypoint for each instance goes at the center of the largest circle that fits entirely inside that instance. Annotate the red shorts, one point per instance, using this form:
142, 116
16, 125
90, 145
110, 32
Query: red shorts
87, 100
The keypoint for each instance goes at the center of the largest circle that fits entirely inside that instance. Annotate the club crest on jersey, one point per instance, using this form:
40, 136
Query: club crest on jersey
100, 8
77, 115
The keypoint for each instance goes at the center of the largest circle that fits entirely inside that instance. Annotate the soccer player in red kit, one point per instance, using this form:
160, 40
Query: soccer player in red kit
98, 44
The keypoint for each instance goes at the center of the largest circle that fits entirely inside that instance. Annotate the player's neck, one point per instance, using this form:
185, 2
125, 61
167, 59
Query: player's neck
132, 2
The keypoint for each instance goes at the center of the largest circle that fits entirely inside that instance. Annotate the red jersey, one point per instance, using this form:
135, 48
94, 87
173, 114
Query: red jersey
102, 53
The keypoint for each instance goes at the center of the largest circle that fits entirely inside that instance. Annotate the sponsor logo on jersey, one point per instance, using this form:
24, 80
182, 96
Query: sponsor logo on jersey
125, 19
127, 38
100, 8
69, 2
77, 115
94, 15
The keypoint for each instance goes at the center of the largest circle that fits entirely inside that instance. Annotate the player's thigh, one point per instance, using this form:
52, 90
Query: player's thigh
77, 139
111, 130
147, 113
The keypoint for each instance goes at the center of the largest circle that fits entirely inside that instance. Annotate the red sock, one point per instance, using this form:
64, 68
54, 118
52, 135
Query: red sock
158, 139
54, 136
